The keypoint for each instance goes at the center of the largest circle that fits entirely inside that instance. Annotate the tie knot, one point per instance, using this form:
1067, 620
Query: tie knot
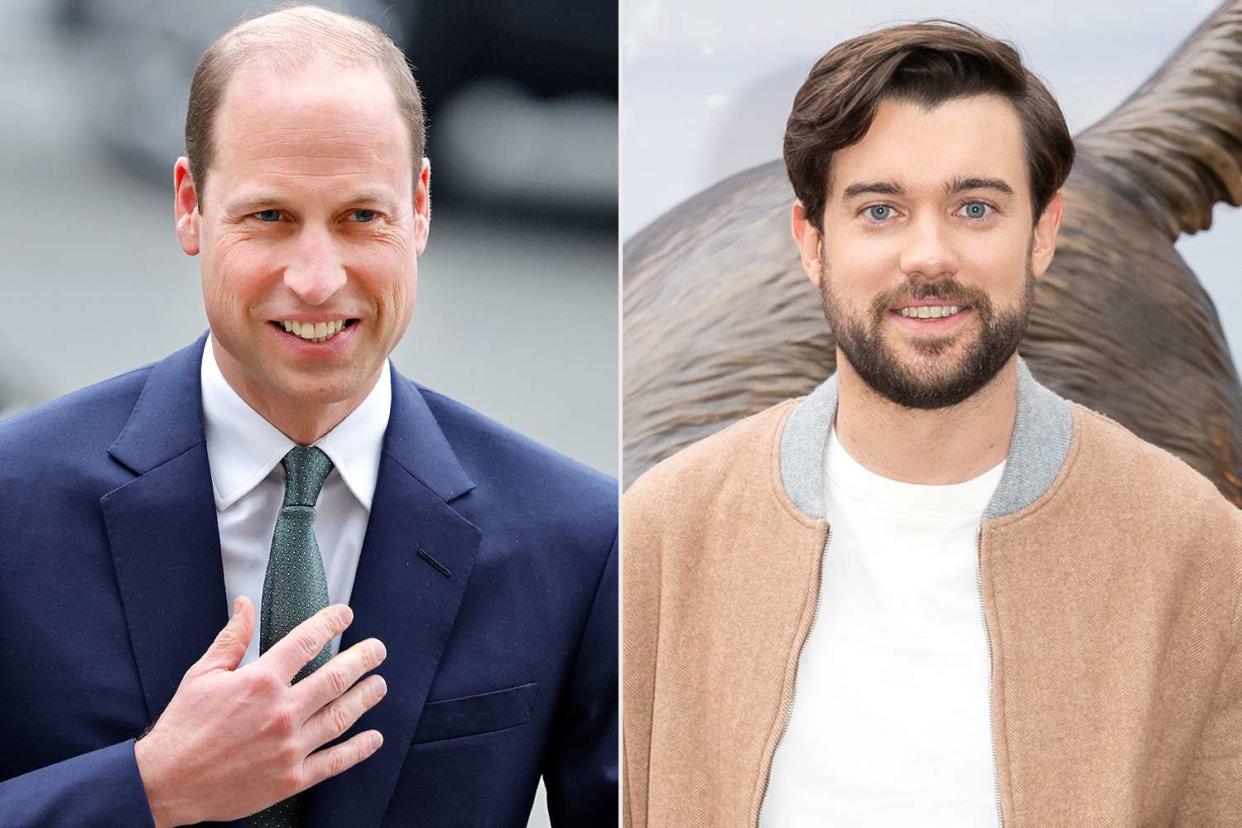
306, 467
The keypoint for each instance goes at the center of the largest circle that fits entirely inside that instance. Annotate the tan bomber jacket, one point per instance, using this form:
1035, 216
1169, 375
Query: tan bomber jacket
1110, 579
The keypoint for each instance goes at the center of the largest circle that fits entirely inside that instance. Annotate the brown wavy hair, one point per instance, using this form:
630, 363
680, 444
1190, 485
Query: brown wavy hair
925, 63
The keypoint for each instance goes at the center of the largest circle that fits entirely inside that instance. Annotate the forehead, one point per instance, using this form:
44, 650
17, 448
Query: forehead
979, 136
314, 125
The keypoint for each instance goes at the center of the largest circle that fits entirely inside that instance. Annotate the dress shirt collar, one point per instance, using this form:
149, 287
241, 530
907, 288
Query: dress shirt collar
243, 448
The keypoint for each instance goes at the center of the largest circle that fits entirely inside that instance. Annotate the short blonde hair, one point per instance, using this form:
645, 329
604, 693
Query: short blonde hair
289, 39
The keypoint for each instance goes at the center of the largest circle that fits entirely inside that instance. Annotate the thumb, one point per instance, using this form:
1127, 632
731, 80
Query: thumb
226, 652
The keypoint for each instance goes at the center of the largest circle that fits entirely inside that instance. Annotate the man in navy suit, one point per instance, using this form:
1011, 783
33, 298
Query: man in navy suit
475, 569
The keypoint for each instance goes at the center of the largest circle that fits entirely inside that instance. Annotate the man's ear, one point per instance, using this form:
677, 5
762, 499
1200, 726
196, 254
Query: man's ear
185, 207
422, 208
1044, 242
808, 238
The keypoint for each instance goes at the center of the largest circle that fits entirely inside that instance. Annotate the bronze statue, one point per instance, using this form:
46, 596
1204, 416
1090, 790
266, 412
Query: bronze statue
720, 321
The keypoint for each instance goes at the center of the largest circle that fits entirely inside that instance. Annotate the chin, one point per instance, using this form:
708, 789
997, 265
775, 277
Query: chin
321, 390
938, 355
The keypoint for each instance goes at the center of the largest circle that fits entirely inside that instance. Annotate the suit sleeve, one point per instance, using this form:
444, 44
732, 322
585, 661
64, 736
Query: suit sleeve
102, 789
581, 770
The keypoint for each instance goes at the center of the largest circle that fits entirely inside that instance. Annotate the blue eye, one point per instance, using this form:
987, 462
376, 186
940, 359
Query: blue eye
268, 215
364, 216
879, 212
976, 210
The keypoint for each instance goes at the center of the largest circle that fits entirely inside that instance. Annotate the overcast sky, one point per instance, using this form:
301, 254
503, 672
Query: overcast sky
707, 85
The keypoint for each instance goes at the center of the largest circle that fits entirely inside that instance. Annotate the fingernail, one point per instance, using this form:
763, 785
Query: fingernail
377, 739
236, 606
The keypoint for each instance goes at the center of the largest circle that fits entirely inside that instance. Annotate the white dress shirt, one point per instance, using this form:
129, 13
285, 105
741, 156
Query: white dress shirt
244, 452
890, 722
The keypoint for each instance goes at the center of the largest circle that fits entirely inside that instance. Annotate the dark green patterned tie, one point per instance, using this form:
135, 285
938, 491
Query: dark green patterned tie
295, 586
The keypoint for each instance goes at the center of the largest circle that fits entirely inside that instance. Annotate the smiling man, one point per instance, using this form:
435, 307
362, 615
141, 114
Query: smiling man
279, 465
932, 592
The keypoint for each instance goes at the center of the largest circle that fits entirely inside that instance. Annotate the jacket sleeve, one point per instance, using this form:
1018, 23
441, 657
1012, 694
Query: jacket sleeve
102, 789
1212, 795
640, 631
1213, 792
580, 772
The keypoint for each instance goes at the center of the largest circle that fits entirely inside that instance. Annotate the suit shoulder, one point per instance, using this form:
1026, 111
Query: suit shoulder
491, 452
86, 417
743, 452
54, 457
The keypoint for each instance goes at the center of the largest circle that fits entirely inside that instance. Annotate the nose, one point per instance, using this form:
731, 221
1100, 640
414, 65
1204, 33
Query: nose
928, 250
316, 271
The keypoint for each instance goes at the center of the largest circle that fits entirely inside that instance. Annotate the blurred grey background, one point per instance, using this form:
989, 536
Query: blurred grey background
517, 306
707, 86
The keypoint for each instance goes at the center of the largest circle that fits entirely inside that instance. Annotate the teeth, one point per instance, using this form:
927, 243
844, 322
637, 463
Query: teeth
314, 331
930, 311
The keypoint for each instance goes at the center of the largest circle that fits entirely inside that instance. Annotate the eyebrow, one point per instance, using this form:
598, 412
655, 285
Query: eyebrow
957, 185
384, 197
265, 199
251, 202
872, 187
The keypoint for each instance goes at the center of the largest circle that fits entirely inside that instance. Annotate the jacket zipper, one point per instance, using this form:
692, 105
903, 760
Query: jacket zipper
793, 693
1000, 813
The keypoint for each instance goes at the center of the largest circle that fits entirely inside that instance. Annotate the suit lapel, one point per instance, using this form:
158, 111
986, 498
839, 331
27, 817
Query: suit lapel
162, 529
415, 562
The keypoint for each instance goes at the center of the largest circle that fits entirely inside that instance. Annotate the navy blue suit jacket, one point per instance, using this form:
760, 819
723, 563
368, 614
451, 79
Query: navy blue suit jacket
488, 570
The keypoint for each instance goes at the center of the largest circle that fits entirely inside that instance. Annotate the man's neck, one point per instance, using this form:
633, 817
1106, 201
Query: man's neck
932, 447
304, 427
301, 422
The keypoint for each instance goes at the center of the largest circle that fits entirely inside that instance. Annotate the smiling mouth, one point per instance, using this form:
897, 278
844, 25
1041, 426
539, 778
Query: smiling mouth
931, 311
314, 331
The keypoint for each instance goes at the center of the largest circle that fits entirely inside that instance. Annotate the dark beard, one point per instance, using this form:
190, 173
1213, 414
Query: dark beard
864, 347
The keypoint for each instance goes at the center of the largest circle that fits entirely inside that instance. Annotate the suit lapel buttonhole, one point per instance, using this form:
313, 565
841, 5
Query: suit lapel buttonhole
436, 565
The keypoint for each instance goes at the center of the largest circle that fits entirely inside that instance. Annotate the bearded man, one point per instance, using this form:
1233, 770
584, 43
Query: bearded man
932, 592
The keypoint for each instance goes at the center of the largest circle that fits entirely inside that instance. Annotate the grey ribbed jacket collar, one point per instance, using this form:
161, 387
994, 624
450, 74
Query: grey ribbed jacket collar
1041, 439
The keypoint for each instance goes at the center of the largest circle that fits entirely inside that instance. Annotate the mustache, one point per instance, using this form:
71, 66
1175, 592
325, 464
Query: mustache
948, 290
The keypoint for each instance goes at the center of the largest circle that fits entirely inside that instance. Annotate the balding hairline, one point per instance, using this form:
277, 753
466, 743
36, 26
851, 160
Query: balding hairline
296, 35
290, 39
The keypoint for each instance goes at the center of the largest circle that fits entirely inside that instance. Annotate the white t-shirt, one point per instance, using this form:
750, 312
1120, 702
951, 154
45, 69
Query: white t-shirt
890, 722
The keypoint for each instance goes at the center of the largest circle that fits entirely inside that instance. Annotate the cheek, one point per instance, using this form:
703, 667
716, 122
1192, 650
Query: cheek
998, 263
391, 274
861, 266
402, 290
234, 275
